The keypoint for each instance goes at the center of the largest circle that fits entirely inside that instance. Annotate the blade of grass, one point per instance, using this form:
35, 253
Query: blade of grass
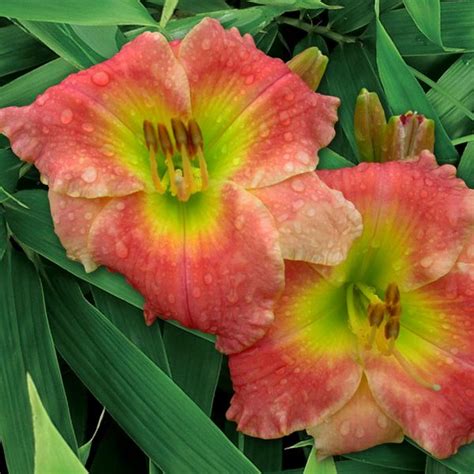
405, 93
156, 414
79, 12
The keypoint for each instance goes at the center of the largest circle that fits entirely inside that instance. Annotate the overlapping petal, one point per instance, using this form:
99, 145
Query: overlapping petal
304, 368
359, 425
316, 223
261, 122
213, 263
85, 135
416, 216
436, 342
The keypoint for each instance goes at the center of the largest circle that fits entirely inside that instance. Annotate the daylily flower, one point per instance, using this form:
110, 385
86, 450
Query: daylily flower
163, 164
382, 344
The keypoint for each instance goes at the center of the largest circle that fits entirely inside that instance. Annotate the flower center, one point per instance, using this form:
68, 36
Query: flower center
182, 178
376, 322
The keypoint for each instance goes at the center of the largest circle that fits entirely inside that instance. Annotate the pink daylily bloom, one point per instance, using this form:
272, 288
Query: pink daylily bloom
382, 344
174, 164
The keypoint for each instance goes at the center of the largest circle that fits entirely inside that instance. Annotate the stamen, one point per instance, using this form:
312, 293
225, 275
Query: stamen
197, 141
181, 139
392, 294
151, 141
167, 149
375, 314
411, 372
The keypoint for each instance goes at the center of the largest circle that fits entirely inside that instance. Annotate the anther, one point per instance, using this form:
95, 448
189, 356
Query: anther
392, 329
195, 137
180, 134
392, 294
375, 313
151, 141
167, 149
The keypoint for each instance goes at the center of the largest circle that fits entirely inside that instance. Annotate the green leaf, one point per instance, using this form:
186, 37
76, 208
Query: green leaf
427, 16
264, 453
330, 160
405, 93
435, 467
452, 97
313, 466
265, 39
466, 165
167, 12
457, 19
19, 51
129, 320
80, 46
9, 171
395, 456
52, 453
156, 414
195, 366
85, 449
3, 234
26, 340
79, 12
23, 90
350, 69
33, 227
354, 467
296, 4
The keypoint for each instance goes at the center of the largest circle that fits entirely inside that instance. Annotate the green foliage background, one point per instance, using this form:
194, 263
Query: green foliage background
81, 336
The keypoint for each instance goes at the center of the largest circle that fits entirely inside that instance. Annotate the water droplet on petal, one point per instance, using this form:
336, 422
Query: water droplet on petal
100, 78
88, 216
360, 432
426, 262
249, 79
121, 249
345, 428
70, 216
87, 127
288, 136
66, 116
239, 222
297, 185
120, 206
196, 292
171, 298
382, 421
89, 175
289, 167
208, 278
206, 44
298, 204
42, 99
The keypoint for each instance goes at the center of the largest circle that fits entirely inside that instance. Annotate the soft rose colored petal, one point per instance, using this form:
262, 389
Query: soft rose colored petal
316, 223
261, 122
436, 342
304, 368
358, 425
212, 263
416, 216
73, 218
85, 135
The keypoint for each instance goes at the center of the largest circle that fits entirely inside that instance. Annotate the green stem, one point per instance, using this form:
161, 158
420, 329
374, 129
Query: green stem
321, 30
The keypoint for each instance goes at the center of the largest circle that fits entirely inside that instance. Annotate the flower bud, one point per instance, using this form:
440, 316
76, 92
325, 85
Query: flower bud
310, 65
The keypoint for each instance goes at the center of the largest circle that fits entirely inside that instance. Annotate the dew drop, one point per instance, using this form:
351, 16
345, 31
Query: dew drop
196, 292
45, 130
345, 428
289, 167
70, 216
206, 44
87, 127
249, 79
42, 99
298, 204
311, 212
100, 78
382, 421
121, 249
288, 136
66, 116
426, 262
289, 96
171, 298
62, 204
89, 175
88, 216
360, 432
297, 185
264, 131
120, 206
239, 222
208, 278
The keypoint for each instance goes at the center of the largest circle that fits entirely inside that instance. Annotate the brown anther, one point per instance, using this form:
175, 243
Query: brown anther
165, 140
375, 313
180, 133
394, 310
392, 329
151, 138
392, 294
195, 135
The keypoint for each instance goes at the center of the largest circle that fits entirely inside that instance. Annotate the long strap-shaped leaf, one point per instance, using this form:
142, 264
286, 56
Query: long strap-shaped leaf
161, 419
26, 345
